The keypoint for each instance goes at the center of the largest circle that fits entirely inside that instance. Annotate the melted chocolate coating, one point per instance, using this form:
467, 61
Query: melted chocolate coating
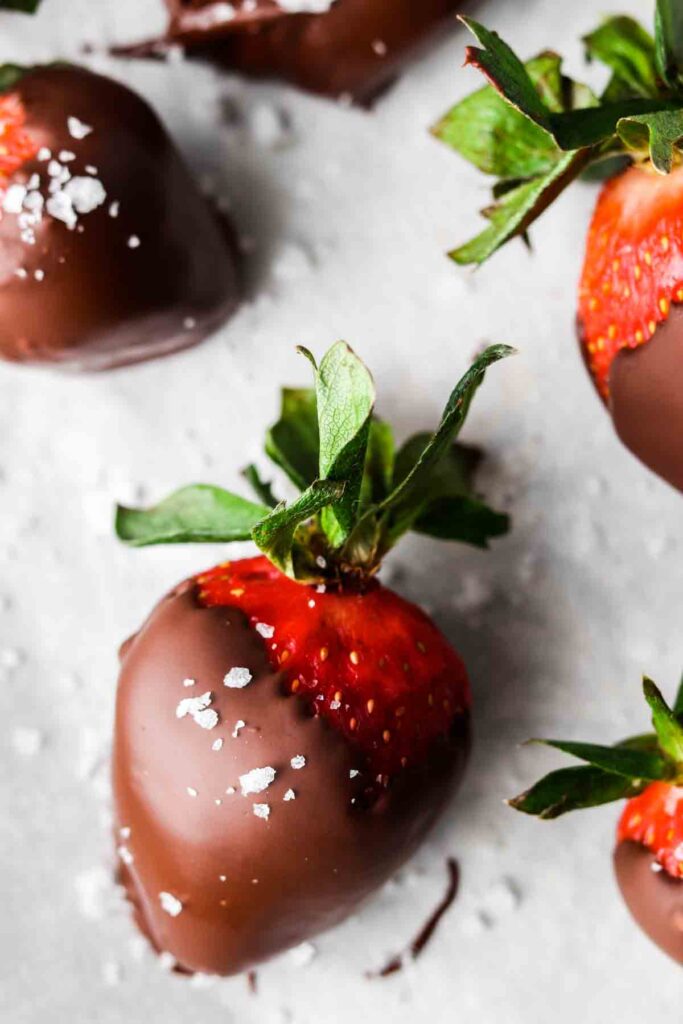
287, 878
356, 48
654, 898
646, 399
102, 303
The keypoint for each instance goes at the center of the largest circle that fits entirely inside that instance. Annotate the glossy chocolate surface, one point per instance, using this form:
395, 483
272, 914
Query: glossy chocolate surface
356, 48
654, 898
646, 399
153, 273
287, 877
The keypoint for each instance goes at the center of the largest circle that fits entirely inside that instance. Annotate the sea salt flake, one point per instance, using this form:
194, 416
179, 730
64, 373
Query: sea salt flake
237, 678
217, 744
125, 854
353, 773
335, 705
61, 208
170, 903
39, 275
78, 129
86, 194
231, 790
207, 719
239, 725
66, 156
193, 705
14, 198
133, 242
298, 761
264, 630
125, 832
289, 795
256, 780
114, 208
191, 791
189, 682
44, 154
261, 810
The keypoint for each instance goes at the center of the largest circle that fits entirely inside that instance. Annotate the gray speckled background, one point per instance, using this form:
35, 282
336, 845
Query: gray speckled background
350, 214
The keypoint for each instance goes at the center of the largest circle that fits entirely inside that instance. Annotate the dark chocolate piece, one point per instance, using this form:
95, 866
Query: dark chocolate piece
421, 940
113, 255
247, 887
356, 48
654, 898
646, 399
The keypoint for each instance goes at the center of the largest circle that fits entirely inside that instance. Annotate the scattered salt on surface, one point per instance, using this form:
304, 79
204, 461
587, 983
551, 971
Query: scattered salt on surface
257, 780
171, 904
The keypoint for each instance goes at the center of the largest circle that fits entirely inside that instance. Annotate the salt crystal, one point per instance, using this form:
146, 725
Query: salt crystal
237, 678
264, 630
171, 904
239, 725
289, 795
125, 854
133, 242
44, 154
256, 780
261, 810
114, 209
191, 791
14, 198
77, 128
217, 744
298, 761
66, 155
86, 194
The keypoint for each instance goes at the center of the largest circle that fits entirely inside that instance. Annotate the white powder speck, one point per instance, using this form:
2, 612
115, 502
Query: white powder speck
21, 272
237, 678
171, 904
90, 169
189, 323
264, 630
77, 128
125, 854
353, 773
191, 791
239, 725
311, 603
125, 832
217, 744
256, 780
379, 47
289, 795
218, 801
656, 867
302, 955
44, 154
26, 740
261, 810
298, 761
114, 208
66, 155
189, 682
133, 242
335, 705
230, 790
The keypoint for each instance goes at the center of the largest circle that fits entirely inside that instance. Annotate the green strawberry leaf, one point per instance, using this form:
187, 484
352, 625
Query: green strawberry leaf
623, 45
379, 464
27, 6
10, 74
517, 210
345, 397
494, 136
261, 488
571, 789
678, 702
669, 42
646, 741
196, 514
462, 519
669, 730
275, 535
659, 133
405, 503
634, 764
292, 443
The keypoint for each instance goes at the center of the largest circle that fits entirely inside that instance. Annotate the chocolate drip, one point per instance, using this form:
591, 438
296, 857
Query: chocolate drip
654, 898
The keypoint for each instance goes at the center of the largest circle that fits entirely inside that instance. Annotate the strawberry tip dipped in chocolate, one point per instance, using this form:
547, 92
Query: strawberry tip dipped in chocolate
109, 254
287, 728
647, 772
339, 48
536, 131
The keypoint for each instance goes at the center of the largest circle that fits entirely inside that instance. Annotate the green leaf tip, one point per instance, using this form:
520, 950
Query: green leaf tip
610, 773
359, 494
535, 130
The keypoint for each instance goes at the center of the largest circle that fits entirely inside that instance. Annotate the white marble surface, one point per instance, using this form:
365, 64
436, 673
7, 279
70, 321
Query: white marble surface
350, 214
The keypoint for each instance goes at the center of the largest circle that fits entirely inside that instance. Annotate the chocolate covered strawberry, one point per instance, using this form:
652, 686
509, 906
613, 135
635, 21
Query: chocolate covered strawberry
340, 48
109, 253
536, 131
287, 728
646, 771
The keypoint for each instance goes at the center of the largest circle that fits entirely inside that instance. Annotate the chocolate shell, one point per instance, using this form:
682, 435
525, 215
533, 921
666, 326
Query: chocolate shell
245, 877
654, 898
646, 399
353, 48
108, 252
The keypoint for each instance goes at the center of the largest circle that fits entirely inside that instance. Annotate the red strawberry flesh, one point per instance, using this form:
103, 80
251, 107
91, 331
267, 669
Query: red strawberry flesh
655, 820
372, 664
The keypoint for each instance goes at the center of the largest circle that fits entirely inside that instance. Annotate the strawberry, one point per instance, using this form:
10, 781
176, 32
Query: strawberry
370, 663
338, 712
536, 131
647, 771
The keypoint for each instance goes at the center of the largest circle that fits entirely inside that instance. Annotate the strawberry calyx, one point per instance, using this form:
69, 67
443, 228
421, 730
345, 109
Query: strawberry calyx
535, 130
646, 770
359, 491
